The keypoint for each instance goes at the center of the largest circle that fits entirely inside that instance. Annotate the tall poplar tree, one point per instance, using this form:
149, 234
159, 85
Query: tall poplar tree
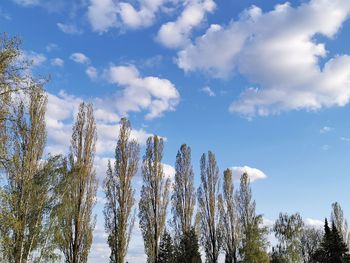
118, 211
228, 219
253, 233
337, 216
26, 192
208, 207
78, 190
154, 197
183, 197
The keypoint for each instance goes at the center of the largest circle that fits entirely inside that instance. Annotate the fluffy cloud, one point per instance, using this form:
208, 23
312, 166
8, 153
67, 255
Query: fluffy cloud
106, 14
57, 62
153, 94
91, 72
175, 34
326, 129
80, 58
36, 59
253, 173
279, 53
314, 222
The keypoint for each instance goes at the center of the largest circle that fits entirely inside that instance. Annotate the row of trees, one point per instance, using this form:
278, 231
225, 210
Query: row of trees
46, 202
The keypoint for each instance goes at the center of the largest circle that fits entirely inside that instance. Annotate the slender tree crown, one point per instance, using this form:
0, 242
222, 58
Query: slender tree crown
183, 197
154, 197
118, 211
78, 190
208, 207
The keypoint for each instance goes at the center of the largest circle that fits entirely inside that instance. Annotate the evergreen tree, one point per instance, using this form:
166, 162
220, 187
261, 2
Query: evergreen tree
187, 251
333, 248
166, 249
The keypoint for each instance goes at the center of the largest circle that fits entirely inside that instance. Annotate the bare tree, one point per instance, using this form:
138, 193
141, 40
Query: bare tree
119, 218
78, 190
208, 207
26, 194
229, 219
154, 197
183, 197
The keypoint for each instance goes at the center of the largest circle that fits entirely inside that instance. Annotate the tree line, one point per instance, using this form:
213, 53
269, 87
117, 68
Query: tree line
46, 202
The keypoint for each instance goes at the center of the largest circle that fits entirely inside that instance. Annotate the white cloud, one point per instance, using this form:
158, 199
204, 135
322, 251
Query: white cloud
69, 29
314, 222
156, 95
253, 173
207, 90
175, 34
36, 59
51, 47
326, 129
106, 14
91, 72
80, 58
102, 14
278, 52
57, 62
27, 2
325, 147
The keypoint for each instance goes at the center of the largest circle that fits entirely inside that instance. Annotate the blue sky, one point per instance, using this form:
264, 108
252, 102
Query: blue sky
263, 84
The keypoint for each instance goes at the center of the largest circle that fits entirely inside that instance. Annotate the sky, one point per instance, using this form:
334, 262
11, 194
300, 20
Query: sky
264, 84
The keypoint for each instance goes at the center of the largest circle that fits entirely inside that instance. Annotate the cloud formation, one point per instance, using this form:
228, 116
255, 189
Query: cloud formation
278, 52
253, 173
156, 95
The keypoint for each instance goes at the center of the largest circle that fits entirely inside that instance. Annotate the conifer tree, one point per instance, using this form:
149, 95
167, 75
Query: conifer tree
166, 249
187, 251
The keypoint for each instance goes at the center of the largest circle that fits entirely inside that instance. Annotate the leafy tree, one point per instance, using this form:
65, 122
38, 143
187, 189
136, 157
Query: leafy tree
208, 207
187, 251
183, 197
337, 216
333, 248
166, 249
229, 219
78, 191
26, 193
253, 234
154, 197
288, 230
309, 242
119, 219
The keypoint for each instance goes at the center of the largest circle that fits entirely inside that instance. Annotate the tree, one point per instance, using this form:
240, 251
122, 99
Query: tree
288, 231
154, 197
253, 234
337, 216
78, 190
187, 251
333, 248
309, 242
119, 218
228, 219
183, 197
207, 201
166, 249
26, 193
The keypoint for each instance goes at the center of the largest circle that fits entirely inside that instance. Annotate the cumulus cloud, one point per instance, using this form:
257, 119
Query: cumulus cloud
91, 72
278, 52
80, 58
176, 34
253, 173
156, 95
106, 14
36, 59
57, 62
69, 29
314, 222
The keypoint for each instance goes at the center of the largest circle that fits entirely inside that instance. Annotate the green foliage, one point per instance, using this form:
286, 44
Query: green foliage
333, 248
187, 251
166, 249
